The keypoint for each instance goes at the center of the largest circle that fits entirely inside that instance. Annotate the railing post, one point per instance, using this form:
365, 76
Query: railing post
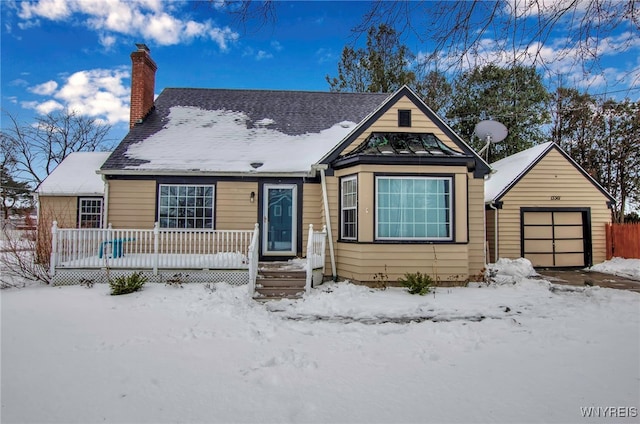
156, 244
54, 249
324, 247
253, 260
309, 266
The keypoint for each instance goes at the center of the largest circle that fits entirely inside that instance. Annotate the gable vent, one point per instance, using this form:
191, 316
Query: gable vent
404, 118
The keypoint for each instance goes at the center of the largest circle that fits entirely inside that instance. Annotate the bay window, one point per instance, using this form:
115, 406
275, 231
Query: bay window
413, 208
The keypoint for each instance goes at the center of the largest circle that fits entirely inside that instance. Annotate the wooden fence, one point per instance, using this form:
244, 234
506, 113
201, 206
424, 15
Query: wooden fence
623, 241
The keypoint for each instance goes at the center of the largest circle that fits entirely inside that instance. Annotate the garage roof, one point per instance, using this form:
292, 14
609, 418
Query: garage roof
508, 171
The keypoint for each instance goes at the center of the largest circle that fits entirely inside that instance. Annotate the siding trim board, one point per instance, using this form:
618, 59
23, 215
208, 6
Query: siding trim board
586, 234
405, 160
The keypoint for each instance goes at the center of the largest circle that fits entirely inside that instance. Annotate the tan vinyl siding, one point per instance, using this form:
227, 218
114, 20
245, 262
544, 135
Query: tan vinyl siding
388, 122
362, 260
311, 212
63, 209
132, 204
553, 176
233, 207
490, 220
476, 211
332, 194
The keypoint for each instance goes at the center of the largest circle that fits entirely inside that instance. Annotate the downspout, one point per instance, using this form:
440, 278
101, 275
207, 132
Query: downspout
495, 231
325, 201
105, 202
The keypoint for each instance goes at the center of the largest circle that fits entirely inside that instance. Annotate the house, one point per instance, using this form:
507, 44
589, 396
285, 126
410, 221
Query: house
397, 189
73, 194
541, 205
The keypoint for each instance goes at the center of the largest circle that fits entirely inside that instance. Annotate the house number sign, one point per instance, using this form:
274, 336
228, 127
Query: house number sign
555, 197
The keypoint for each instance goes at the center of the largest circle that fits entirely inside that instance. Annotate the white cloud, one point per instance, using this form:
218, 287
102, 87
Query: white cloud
558, 57
44, 89
107, 41
324, 55
54, 10
155, 20
263, 55
19, 83
43, 108
99, 93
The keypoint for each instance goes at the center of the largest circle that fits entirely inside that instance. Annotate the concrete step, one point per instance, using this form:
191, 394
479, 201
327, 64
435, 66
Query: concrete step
279, 292
281, 282
275, 273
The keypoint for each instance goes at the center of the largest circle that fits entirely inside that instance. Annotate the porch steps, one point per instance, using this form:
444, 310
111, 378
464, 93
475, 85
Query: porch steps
273, 284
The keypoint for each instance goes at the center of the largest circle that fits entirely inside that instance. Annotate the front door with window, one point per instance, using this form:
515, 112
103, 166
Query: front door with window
279, 220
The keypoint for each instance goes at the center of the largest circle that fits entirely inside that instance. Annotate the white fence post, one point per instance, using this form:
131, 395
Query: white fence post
54, 249
156, 250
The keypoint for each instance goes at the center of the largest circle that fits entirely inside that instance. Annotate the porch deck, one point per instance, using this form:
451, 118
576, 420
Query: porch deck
166, 255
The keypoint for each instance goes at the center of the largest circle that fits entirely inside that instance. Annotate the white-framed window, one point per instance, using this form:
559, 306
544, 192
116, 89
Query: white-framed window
349, 208
90, 212
186, 206
413, 208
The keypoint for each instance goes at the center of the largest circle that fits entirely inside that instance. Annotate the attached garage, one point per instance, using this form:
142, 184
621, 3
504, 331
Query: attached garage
541, 205
556, 237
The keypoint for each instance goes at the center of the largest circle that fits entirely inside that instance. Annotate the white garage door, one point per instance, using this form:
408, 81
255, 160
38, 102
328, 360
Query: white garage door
554, 238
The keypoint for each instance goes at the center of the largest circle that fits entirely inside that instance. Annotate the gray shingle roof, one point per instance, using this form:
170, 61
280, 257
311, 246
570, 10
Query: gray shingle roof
294, 112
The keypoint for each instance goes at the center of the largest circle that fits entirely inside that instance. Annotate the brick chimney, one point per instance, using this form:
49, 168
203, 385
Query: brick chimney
143, 82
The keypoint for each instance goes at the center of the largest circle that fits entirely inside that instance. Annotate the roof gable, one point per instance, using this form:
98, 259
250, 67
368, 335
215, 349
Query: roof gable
510, 170
224, 131
75, 175
481, 167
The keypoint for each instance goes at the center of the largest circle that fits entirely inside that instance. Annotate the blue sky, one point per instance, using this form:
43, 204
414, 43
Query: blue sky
65, 53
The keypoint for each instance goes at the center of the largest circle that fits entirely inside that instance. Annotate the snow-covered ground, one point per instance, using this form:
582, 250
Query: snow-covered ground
629, 268
527, 351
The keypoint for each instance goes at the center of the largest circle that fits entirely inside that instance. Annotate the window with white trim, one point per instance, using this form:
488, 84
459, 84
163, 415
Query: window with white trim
349, 208
413, 208
185, 206
90, 212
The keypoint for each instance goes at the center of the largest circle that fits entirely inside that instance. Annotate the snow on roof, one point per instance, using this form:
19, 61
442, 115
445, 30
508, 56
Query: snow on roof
509, 169
76, 175
195, 139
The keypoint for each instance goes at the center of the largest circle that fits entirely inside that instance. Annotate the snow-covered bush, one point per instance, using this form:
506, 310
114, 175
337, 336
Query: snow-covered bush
125, 284
417, 283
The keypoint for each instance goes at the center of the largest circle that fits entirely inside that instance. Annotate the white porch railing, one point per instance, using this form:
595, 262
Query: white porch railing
315, 253
253, 259
152, 249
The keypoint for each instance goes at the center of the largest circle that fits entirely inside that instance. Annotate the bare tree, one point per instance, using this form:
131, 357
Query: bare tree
604, 138
464, 33
37, 148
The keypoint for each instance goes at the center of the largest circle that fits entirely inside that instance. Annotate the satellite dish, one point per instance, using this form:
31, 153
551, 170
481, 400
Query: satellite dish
490, 132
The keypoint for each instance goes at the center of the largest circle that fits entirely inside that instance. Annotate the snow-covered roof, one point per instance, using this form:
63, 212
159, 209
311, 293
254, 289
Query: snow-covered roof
76, 175
186, 143
509, 170
225, 131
